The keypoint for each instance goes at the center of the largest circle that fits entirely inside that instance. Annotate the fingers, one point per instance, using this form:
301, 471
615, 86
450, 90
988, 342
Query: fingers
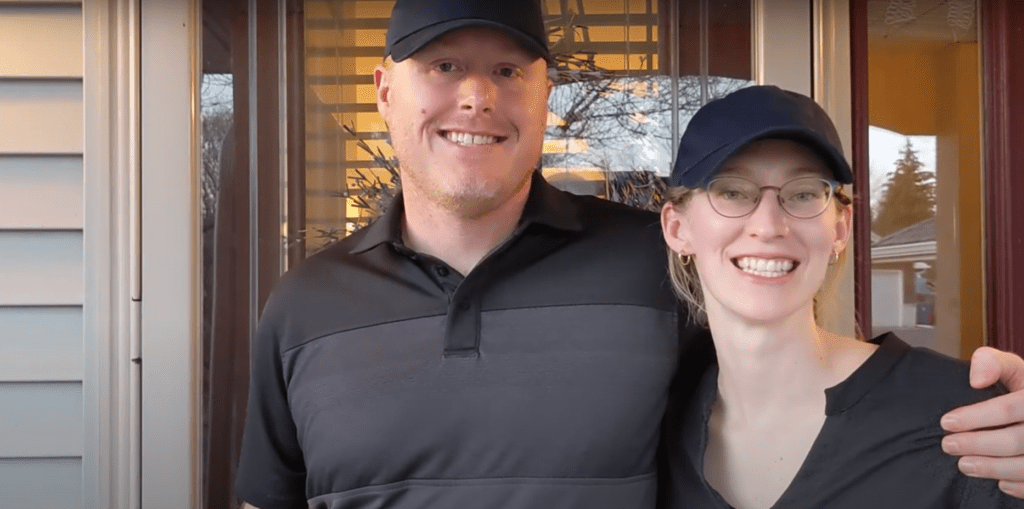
989, 365
1013, 489
1002, 442
999, 411
985, 367
1004, 469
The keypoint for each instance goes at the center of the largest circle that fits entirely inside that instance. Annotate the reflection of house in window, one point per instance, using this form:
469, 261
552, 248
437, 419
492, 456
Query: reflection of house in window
902, 282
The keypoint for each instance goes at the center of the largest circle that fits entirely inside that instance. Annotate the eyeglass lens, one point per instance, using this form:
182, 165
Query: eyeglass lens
805, 197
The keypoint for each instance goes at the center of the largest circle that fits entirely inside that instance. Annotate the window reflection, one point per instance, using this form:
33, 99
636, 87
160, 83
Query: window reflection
924, 150
617, 108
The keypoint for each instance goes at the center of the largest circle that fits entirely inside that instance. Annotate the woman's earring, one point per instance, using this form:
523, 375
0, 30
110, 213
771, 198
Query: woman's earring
685, 260
834, 258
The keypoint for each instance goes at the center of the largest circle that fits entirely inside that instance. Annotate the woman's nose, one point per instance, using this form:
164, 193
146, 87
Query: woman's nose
768, 220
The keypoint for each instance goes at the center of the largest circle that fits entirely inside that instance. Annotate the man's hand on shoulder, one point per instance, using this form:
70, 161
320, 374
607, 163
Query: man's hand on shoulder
989, 436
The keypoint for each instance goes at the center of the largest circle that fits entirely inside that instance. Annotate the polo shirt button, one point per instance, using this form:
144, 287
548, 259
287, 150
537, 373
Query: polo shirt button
464, 305
441, 271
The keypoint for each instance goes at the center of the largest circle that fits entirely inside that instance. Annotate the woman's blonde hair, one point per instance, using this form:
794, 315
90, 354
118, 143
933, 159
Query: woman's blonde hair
687, 285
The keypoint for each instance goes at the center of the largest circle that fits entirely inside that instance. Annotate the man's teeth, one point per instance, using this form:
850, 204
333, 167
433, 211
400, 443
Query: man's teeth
470, 139
765, 268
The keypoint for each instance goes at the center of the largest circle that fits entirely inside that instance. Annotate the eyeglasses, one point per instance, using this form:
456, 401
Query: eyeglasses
802, 198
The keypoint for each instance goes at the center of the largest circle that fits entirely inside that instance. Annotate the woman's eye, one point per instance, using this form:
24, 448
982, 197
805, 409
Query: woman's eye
446, 67
508, 72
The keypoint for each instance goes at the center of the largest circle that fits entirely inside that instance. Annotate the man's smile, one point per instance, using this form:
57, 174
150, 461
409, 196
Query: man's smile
469, 139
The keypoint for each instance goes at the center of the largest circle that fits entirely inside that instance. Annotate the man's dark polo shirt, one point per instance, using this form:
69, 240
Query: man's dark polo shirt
383, 378
879, 448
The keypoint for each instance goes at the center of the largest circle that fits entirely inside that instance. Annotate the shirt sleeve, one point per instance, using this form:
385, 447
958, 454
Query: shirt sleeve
985, 494
271, 472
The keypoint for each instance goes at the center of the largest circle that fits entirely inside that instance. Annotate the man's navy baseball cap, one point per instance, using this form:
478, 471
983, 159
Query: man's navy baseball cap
415, 23
725, 126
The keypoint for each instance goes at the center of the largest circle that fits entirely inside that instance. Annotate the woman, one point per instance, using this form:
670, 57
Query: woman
792, 416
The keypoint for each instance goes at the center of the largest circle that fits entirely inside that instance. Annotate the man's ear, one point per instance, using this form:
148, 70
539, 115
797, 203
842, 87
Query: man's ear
382, 80
844, 228
676, 229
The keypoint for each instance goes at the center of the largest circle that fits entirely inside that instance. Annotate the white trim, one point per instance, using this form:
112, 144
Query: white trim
830, 71
171, 301
782, 44
918, 251
110, 470
831, 65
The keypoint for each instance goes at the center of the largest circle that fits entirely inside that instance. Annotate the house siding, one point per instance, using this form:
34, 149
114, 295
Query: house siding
41, 264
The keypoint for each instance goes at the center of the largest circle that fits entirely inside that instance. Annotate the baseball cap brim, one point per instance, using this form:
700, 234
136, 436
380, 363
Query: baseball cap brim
702, 172
405, 47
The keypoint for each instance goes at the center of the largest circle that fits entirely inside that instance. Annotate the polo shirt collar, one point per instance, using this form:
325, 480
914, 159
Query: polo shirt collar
545, 205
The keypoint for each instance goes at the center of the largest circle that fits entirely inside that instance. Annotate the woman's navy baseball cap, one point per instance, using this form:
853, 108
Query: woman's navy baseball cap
415, 23
725, 126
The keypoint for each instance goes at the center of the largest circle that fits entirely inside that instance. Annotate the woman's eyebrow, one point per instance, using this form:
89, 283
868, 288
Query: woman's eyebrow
807, 170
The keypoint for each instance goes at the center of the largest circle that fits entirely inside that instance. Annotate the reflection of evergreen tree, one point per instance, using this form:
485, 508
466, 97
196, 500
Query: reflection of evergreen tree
908, 197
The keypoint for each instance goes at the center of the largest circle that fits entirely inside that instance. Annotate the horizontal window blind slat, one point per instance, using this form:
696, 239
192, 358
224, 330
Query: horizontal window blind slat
587, 20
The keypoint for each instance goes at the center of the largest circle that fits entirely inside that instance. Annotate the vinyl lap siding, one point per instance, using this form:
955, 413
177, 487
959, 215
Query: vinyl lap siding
41, 288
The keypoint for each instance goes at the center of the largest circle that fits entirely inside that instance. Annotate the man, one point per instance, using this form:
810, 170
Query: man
490, 341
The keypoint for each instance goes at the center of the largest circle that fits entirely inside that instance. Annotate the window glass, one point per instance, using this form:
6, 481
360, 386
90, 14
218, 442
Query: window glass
295, 156
925, 165
628, 77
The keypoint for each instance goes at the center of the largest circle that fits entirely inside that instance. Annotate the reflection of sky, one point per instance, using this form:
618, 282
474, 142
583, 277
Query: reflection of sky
216, 91
884, 148
625, 123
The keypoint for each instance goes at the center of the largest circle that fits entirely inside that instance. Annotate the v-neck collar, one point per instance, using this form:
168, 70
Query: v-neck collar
838, 399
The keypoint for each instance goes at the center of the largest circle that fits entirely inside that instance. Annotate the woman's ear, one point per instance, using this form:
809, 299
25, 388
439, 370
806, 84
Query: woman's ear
844, 228
675, 228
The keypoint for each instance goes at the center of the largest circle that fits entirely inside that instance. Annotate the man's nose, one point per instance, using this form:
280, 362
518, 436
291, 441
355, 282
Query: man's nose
477, 92
768, 220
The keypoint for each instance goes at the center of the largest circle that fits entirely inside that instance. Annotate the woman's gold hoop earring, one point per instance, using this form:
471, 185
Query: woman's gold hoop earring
685, 260
834, 258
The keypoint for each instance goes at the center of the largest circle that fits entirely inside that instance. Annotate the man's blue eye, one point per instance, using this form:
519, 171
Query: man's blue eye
507, 72
445, 67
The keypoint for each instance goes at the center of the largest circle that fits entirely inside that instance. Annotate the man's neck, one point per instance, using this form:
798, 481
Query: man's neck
461, 240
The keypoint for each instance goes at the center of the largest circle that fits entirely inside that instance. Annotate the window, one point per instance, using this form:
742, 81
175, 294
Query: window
616, 112
926, 176
313, 149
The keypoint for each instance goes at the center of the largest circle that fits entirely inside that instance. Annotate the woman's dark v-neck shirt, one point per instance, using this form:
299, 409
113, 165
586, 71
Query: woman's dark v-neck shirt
879, 447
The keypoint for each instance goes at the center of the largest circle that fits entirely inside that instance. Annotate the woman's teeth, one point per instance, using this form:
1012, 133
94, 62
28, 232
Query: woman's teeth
470, 139
764, 268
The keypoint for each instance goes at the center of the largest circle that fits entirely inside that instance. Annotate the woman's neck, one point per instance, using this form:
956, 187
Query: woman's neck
783, 364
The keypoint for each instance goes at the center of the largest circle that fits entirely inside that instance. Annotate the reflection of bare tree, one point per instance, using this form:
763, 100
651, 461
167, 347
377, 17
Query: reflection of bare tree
217, 117
641, 189
370, 193
624, 120
622, 124
367, 191
619, 123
